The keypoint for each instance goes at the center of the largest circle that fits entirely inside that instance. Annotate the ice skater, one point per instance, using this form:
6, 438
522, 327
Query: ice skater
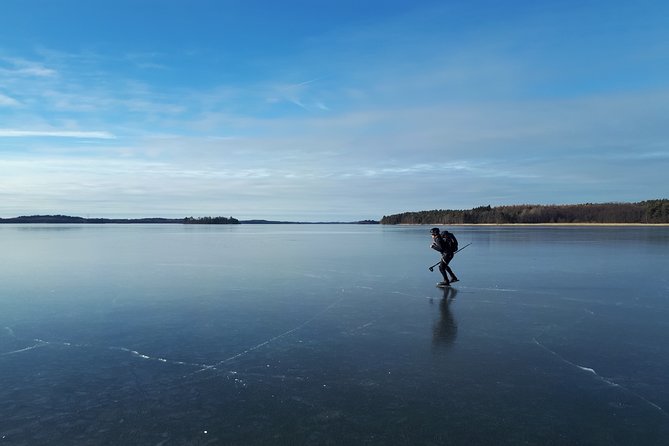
447, 245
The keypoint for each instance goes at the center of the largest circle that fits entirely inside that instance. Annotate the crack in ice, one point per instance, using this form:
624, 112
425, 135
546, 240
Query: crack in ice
42, 343
32, 347
156, 358
268, 341
600, 377
201, 367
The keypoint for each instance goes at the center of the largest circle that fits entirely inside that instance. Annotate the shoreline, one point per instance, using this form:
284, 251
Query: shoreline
533, 224
279, 223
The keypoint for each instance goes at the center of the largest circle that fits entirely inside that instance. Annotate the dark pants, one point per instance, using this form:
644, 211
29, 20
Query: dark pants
443, 266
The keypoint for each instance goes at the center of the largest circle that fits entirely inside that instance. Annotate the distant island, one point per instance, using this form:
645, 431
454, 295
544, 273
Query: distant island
74, 220
66, 219
644, 212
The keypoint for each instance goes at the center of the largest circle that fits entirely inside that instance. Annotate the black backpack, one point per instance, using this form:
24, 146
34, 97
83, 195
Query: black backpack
451, 241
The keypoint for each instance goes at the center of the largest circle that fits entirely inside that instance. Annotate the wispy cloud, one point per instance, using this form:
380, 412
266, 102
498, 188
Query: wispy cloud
7, 101
23, 67
13, 133
301, 94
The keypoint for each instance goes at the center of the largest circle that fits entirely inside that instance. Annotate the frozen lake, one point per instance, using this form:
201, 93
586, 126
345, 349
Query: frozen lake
332, 334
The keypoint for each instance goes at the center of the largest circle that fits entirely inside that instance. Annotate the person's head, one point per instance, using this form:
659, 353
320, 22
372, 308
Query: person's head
434, 232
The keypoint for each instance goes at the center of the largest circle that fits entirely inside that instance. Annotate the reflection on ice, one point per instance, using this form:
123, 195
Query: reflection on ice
446, 329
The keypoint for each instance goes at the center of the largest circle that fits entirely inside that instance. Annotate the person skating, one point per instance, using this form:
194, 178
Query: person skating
446, 244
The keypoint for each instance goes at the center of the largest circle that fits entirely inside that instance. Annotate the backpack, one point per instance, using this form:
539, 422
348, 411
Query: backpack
451, 241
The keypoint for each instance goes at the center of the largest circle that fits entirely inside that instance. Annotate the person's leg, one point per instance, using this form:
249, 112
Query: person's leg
446, 262
442, 269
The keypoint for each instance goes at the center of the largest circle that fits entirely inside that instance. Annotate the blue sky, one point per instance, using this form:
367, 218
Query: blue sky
315, 110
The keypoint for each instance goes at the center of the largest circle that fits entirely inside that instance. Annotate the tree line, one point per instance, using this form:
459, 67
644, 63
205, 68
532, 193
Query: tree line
66, 219
211, 221
651, 211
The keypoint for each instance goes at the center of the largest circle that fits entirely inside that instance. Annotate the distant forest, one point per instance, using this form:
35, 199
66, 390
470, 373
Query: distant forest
211, 221
651, 211
68, 219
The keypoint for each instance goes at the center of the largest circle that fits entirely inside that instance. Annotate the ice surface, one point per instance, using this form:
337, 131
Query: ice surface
167, 334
